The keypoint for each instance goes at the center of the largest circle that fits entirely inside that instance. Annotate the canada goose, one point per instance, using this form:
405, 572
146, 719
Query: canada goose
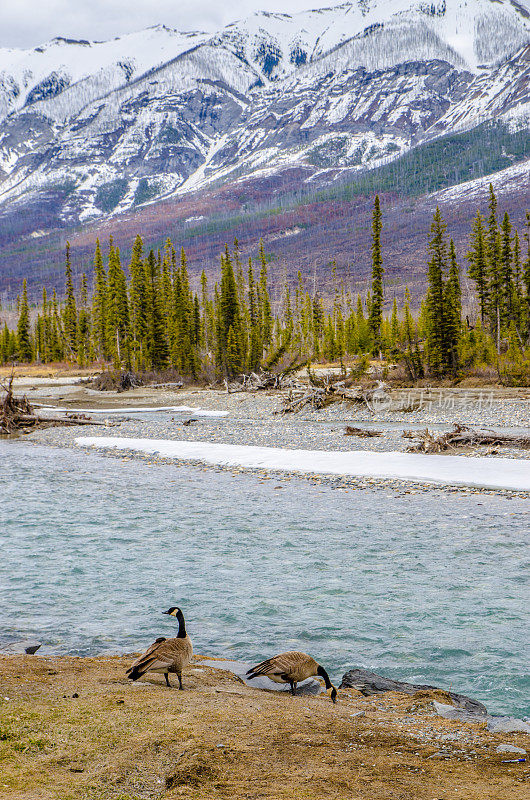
165, 655
292, 667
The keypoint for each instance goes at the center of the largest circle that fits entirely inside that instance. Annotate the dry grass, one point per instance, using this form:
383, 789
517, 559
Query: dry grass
74, 728
55, 370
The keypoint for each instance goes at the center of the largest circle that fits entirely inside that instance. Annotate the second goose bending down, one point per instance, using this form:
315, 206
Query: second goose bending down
292, 667
165, 655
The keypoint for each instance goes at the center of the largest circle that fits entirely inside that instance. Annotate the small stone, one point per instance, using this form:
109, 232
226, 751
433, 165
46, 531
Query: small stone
510, 748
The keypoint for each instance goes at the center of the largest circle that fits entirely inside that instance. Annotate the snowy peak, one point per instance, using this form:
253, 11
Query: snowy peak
30, 76
94, 128
380, 33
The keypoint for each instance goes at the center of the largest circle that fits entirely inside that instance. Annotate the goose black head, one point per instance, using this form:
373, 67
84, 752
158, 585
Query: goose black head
333, 694
173, 611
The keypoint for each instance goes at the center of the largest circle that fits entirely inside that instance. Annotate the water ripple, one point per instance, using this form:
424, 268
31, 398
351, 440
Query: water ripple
427, 587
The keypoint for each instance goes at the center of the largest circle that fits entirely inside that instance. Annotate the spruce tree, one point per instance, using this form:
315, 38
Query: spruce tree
233, 362
157, 345
138, 306
452, 311
117, 306
494, 268
25, 350
255, 348
83, 325
56, 337
183, 353
436, 318
45, 345
526, 279
264, 303
317, 325
70, 311
376, 304
506, 273
394, 328
412, 355
478, 266
99, 306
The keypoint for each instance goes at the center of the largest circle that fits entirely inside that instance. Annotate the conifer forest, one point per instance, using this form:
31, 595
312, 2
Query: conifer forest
145, 315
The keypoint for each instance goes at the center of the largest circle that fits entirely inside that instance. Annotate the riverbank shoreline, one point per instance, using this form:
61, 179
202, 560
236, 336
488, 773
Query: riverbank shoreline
253, 419
76, 728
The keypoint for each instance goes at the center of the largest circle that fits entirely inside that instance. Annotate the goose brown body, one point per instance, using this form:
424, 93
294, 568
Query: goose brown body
165, 655
291, 667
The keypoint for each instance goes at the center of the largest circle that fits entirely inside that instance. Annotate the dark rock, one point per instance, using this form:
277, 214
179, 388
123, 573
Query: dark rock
19, 647
369, 683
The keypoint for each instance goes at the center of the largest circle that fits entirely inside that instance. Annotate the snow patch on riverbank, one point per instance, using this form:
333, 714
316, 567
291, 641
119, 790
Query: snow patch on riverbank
196, 412
483, 473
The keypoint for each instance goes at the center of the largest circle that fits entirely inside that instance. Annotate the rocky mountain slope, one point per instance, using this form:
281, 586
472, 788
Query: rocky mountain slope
91, 129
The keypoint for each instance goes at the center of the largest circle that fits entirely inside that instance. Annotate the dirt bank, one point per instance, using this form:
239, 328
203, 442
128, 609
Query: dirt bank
76, 728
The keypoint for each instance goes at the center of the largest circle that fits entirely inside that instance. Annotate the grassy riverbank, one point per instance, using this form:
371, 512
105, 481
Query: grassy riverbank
75, 728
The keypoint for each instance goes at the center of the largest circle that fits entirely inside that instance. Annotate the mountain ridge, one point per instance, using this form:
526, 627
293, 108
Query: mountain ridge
90, 131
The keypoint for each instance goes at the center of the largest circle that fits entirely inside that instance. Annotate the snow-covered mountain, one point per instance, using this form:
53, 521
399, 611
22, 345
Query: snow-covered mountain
93, 128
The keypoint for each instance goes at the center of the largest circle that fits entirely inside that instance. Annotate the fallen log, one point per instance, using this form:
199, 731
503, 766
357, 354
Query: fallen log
463, 436
254, 381
324, 394
363, 433
17, 414
73, 420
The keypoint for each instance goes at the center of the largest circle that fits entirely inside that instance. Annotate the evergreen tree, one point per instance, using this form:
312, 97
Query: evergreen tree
394, 328
138, 306
317, 325
56, 334
478, 266
526, 279
376, 304
99, 306
264, 303
25, 350
232, 351
168, 270
412, 355
452, 311
436, 317
157, 348
117, 307
255, 348
83, 325
506, 273
184, 356
494, 268
70, 311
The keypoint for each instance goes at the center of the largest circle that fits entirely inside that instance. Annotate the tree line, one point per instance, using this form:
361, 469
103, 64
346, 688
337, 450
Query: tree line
148, 317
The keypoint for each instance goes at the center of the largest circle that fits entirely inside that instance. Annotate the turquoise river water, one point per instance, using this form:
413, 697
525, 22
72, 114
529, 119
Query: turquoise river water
427, 587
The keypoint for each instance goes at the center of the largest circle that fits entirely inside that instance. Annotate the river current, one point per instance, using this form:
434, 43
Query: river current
428, 587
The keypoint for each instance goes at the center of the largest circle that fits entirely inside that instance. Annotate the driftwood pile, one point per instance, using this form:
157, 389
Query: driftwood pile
323, 394
462, 436
15, 413
255, 382
18, 415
